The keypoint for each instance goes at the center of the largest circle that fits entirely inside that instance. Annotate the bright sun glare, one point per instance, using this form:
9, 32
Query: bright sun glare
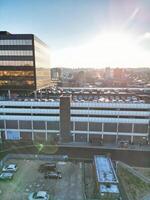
109, 48
112, 46
114, 42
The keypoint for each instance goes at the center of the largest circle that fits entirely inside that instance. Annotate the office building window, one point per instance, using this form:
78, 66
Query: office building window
15, 42
15, 53
16, 63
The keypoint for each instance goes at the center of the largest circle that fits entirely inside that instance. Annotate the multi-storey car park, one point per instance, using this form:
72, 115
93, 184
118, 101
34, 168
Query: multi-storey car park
105, 122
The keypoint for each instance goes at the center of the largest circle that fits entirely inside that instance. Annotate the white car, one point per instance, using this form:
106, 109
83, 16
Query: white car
43, 195
6, 176
10, 168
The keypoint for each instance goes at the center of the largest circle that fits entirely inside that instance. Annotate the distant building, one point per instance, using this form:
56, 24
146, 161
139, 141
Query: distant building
80, 78
108, 73
119, 77
24, 62
118, 73
66, 74
56, 74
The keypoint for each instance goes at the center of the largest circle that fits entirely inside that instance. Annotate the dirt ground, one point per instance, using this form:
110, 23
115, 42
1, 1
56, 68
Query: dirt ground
27, 179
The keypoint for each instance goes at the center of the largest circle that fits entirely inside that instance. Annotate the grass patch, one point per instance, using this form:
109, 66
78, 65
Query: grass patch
135, 188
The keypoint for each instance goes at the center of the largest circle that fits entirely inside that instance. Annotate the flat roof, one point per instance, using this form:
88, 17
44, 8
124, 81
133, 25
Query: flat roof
104, 170
109, 189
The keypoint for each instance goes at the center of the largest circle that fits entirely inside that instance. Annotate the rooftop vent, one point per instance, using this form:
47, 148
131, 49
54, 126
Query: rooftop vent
4, 33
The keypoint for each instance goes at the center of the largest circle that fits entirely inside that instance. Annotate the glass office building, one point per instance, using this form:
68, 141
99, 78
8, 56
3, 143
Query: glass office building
24, 62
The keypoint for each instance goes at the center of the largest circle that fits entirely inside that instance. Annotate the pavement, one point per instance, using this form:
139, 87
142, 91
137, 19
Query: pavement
28, 179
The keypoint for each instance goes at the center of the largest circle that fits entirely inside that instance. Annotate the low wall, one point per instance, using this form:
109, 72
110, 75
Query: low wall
35, 157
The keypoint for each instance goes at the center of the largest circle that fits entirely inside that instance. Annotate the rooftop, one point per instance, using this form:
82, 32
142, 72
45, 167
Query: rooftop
4, 33
104, 95
112, 188
104, 170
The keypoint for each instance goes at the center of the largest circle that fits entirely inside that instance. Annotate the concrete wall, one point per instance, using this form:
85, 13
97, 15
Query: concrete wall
65, 119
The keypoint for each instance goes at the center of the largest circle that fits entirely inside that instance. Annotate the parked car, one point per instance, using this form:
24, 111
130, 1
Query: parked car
10, 168
43, 195
6, 176
47, 167
123, 144
54, 175
65, 157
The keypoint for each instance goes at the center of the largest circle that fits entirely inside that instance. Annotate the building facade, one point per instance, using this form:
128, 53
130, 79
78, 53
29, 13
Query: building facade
86, 121
24, 62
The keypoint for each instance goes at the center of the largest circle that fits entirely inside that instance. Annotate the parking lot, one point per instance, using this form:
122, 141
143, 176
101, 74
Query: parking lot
28, 179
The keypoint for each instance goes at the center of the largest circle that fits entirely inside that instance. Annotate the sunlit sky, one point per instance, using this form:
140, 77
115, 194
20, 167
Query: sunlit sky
84, 33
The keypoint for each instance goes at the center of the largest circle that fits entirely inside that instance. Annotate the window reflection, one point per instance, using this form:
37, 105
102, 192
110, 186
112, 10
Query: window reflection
16, 83
16, 63
15, 53
16, 73
15, 42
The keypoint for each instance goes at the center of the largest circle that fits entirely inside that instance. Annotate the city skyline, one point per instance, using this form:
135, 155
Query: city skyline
84, 33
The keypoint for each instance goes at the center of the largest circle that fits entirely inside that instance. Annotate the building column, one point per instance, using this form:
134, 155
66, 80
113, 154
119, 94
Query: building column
102, 131
132, 133
40, 94
117, 133
74, 137
74, 126
35, 95
32, 111
18, 128
65, 134
18, 124
9, 94
88, 129
32, 130
46, 130
117, 136
5, 129
148, 133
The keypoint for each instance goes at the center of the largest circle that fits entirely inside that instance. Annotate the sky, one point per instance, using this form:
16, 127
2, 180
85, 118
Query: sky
84, 33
